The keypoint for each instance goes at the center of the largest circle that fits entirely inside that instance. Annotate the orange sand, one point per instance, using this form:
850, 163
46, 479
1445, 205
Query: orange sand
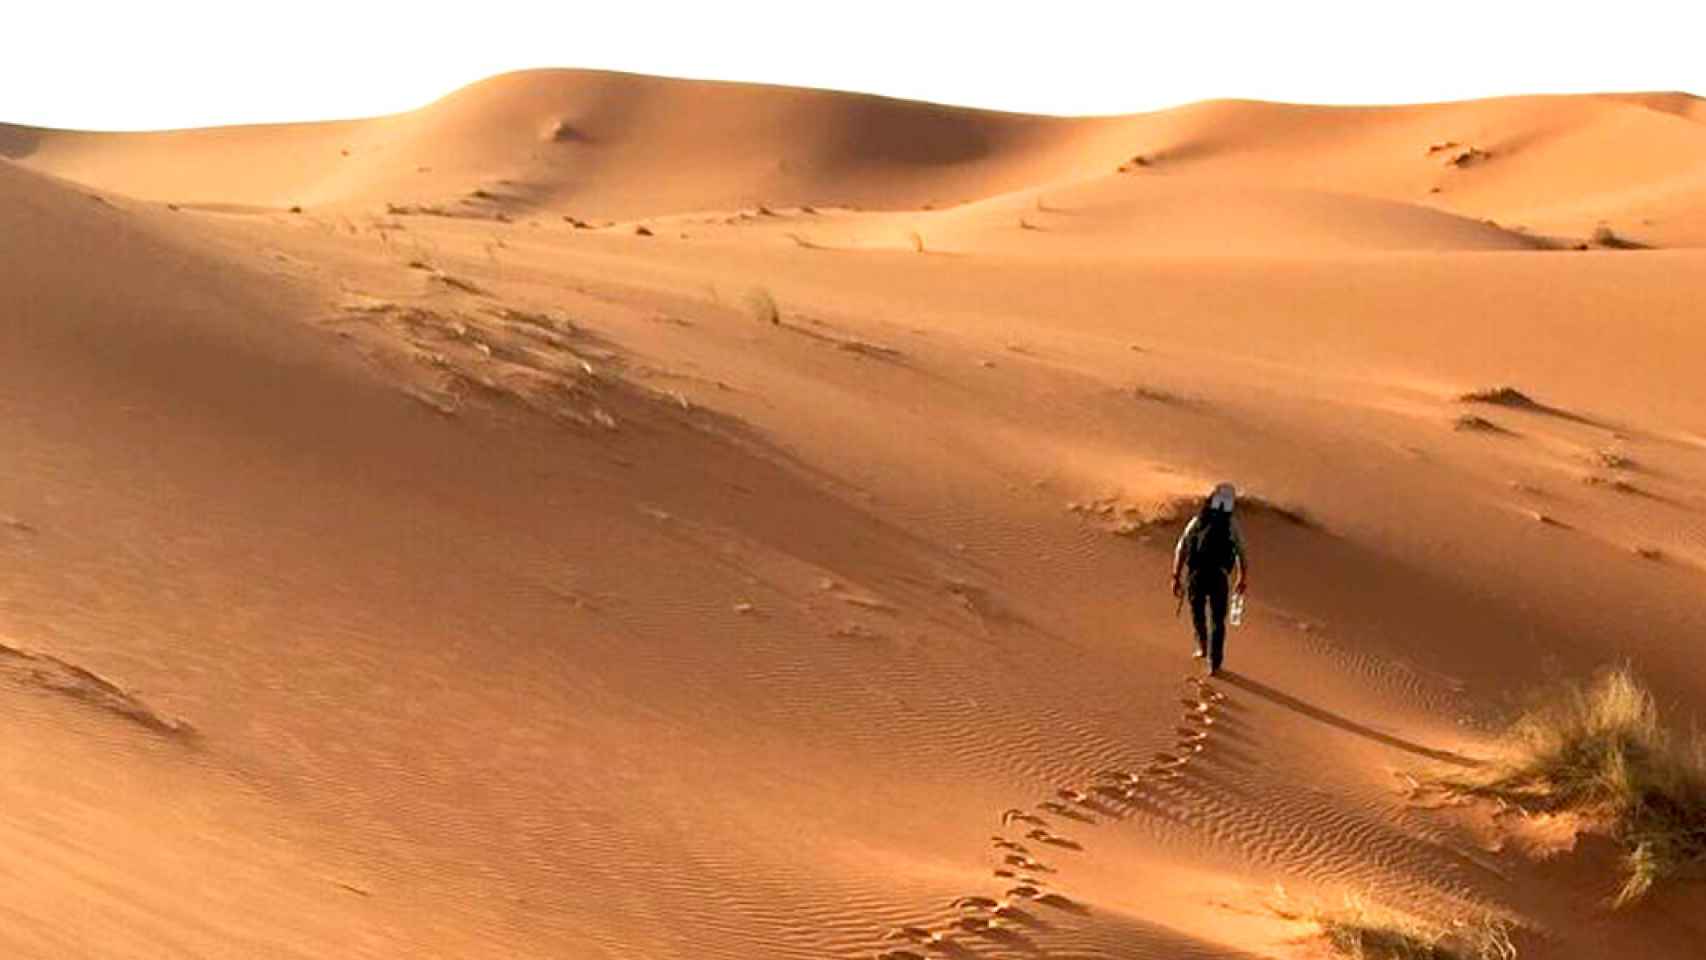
421, 574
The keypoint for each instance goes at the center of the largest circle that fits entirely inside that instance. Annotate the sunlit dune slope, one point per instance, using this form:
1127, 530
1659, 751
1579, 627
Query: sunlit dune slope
599, 145
424, 573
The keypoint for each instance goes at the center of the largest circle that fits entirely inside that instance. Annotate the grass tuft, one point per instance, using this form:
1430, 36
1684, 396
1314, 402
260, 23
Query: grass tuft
763, 306
1361, 931
1604, 236
1600, 750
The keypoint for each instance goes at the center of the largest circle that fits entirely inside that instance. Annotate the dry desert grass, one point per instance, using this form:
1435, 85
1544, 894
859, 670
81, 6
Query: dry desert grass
1601, 750
1361, 930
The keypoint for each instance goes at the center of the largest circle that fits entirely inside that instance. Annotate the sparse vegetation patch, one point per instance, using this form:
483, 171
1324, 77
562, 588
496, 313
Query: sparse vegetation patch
1362, 931
1600, 751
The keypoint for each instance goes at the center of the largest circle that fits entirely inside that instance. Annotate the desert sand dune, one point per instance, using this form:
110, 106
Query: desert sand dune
601, 145
425, 573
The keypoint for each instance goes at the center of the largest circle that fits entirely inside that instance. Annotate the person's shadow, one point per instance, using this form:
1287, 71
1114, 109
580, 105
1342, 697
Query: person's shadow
1340, 722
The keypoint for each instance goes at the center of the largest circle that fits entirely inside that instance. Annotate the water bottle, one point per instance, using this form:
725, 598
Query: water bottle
1235, 616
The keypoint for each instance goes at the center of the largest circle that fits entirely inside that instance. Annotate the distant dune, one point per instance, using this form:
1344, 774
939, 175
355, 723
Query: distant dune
620, 146
604, 516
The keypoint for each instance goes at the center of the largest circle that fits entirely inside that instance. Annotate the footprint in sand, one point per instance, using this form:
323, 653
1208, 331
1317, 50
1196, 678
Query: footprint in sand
915, 934
1072, 796
1063, 810
1054, 839
1014, 815
976, 924
1206, 692
986, 916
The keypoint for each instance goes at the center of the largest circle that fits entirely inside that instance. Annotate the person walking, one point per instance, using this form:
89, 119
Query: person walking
1203, 561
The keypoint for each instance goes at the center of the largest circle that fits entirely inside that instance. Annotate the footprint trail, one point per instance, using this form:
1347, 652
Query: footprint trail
1113, 794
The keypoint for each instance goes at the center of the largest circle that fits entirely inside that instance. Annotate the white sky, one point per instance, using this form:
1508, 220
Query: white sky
140, 64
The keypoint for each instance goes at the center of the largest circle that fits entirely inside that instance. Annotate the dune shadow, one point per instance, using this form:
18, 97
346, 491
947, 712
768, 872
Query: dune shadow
18, 142
1341, 722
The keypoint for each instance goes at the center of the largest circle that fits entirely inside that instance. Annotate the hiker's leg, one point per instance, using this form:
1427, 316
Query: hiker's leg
1199, 613
1217, 597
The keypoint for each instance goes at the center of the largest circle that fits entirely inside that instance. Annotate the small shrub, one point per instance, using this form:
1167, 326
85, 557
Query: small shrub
1601, 751
1604, 236
763, 306
1467, 156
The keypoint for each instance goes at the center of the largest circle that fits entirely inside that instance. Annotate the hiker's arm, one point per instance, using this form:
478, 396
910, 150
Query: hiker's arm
1242, 555
1179, 550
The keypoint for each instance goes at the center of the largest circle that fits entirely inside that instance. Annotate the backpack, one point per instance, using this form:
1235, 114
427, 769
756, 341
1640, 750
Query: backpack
1211, 547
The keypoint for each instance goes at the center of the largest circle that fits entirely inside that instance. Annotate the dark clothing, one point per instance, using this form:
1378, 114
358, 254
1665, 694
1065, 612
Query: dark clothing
1208, 593
1211, 547
1182, 553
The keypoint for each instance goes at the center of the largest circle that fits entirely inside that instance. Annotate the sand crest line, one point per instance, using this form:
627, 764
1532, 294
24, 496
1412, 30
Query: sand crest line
44, 671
